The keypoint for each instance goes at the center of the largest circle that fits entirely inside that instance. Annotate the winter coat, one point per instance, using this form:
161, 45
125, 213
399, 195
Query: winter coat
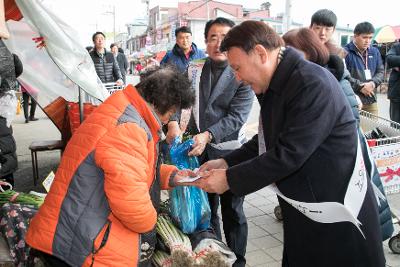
385, 215
7, 70
310, 137
123, 65
356, 67
106, 66
103, 203
10, 68
393, 61
336, 66
177, 58
8, 155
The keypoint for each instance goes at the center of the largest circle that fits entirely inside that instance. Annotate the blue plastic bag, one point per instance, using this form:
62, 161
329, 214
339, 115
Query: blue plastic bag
188, 204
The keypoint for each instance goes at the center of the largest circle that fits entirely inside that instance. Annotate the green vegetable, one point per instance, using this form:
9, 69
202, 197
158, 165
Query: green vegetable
11, 196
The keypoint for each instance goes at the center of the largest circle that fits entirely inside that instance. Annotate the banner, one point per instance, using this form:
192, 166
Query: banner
387, 158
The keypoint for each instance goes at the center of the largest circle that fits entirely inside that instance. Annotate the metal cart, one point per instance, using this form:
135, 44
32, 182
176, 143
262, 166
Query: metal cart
386, 153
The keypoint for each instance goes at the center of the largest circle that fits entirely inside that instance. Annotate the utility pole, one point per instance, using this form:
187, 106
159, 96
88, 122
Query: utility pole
114, 20
287, 19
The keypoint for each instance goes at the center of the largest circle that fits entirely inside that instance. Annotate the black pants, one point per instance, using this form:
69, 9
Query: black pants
234, 223
394, 111
25, 97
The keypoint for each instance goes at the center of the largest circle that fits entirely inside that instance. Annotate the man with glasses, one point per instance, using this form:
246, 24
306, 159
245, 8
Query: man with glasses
223, 107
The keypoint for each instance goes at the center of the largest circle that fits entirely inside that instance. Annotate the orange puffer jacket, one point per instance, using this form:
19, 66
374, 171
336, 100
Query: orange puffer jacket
102, 206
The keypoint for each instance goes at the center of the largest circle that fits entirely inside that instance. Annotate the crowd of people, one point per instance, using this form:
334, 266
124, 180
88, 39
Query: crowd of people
103, 204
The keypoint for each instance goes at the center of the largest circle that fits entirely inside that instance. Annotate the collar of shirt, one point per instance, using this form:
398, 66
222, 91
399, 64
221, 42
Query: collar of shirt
187, 55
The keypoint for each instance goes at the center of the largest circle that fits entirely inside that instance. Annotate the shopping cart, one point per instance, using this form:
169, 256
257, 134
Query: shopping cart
386, 153
113, 87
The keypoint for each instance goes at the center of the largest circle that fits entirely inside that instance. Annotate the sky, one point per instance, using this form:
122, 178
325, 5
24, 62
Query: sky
88, 16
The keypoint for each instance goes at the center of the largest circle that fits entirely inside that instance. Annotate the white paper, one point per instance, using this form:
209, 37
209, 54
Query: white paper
189, 179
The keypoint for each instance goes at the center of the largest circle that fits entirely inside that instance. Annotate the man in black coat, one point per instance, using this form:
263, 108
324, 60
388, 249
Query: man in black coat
308, 147
393, 61
121, 60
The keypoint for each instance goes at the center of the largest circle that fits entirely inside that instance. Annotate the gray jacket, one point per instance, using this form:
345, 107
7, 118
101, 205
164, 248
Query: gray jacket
223, 110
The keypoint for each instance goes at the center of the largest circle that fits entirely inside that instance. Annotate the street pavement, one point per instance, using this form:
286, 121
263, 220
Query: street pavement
265, 231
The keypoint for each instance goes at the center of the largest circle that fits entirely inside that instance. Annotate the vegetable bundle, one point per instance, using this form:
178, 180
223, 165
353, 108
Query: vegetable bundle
181, 254
21, 198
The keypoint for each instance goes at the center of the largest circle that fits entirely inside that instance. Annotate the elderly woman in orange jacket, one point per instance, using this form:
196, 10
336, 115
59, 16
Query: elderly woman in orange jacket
102, 207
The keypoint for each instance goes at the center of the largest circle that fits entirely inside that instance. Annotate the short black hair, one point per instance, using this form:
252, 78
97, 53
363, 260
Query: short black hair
324, 17
250, 33
182, 29
166, 88
97, 33
112, 45
364, 28
220, 21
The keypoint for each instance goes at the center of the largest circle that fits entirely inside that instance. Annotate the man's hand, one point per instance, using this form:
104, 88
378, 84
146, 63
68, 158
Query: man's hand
214, 182
213, 164
119, 82
367, 88
173, 131
200, 142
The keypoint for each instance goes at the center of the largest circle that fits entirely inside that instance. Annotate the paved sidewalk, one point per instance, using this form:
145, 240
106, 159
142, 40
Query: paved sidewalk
265, 232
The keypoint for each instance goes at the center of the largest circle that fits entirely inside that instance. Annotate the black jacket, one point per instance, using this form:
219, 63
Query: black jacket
310, 136
10, 68
122, 64
106, 67
393, 61
8, 156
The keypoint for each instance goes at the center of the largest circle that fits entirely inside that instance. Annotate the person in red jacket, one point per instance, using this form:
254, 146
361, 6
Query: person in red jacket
102, 206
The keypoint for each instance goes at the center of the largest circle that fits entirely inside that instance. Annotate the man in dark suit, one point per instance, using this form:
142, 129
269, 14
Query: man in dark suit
307, 150
223, 107
121, 59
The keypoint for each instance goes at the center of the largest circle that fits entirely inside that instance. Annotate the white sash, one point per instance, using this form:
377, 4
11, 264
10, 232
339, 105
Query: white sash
194, 73
330, 212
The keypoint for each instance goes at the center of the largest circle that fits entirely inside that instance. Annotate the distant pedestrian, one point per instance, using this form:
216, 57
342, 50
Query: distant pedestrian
365, 65
28, 101
393, 61
121, 59
104, 62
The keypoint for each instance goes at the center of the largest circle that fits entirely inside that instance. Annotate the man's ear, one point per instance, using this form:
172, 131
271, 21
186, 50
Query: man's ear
261, 52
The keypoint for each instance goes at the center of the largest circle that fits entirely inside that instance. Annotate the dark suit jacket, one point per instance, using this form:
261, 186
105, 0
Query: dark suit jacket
223, 110
123, 65
310, 136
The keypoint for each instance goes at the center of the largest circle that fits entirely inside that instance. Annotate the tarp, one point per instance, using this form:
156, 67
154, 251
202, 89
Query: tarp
61, 44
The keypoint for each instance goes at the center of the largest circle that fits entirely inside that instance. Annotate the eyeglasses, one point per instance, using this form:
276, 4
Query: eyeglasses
215, 39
